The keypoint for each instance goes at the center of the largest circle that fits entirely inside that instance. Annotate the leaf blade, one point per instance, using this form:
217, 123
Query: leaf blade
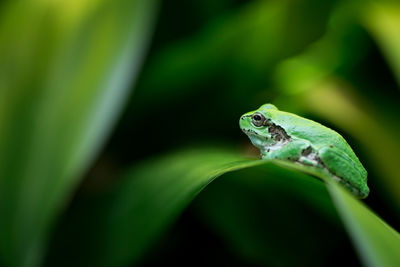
377, 243
65, 74
136, 220
145, 205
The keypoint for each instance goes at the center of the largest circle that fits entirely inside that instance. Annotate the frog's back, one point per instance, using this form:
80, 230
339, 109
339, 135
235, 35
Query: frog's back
319, 135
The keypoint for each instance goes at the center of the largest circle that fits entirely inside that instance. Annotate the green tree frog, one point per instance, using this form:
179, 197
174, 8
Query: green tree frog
285, 136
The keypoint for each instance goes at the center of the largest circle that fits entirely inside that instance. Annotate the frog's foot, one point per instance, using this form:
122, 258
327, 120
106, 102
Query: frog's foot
309, 157
285, 150
350, 187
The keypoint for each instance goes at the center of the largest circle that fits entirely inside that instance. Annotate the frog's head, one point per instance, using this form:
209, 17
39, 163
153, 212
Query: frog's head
255, 125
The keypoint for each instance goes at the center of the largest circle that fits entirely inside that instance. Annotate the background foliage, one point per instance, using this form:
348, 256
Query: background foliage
71, 193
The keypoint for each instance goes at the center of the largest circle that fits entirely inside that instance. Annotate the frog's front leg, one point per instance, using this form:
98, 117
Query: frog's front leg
295, 150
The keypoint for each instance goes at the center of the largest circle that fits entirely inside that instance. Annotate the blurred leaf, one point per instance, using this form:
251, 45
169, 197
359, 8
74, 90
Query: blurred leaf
265, 213
317, 81
240, 46
150, 198
153, 194
66, 68
377, 243
382, 19
333, 100
338, 51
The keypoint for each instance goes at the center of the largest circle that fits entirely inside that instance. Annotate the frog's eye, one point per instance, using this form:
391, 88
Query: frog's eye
257, 119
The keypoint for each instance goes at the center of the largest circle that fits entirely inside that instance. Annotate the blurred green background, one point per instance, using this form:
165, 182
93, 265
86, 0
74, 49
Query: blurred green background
111, 109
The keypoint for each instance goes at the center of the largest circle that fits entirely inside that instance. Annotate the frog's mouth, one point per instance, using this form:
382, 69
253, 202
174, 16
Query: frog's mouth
250, 132
276, 139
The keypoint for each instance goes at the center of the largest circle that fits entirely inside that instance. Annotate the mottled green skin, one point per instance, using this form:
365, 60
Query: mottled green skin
289, 137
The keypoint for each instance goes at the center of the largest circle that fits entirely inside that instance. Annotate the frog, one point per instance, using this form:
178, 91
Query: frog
287, 137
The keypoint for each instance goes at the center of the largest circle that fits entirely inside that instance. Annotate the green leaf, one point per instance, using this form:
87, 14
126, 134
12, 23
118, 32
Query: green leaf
371, 127
382, 19
321, 81
377, 243
151, 197
237, 45
153, 194
66, 69
264, 212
